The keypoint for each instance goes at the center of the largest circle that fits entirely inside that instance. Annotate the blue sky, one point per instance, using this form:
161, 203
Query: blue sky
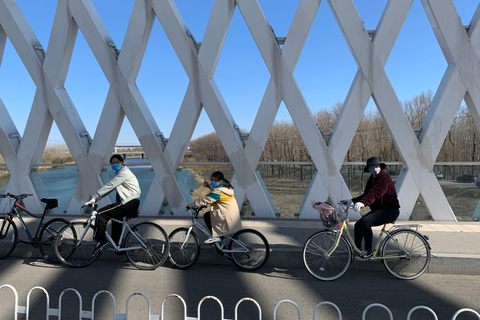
324, 72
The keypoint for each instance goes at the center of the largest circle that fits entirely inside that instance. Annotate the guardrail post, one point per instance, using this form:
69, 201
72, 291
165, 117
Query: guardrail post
251, 300
329, 303
137, 294
175, 296
80, 315
376, 305
422, 307
289, 301
16, 298
114, 303
28, 302
465, 310
214, 298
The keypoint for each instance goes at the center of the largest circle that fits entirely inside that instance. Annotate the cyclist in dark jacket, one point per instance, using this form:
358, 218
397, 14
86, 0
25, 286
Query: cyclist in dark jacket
380, 195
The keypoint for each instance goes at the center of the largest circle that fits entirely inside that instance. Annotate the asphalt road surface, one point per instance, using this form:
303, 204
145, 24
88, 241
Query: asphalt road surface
352, 293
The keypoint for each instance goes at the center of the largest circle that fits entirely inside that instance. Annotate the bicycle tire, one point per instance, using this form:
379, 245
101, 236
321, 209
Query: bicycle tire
257, 246
67, 250
318, 263
155, 242
417, 254
47, 237
183, 258
8, 237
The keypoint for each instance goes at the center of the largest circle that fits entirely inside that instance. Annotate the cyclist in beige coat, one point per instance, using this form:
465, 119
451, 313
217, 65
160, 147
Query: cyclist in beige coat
224, 217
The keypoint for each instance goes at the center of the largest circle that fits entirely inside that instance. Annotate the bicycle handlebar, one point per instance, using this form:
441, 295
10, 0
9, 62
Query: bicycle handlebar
197, 210
16, 197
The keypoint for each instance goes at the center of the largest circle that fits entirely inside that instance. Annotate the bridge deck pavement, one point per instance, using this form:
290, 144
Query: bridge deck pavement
455, 245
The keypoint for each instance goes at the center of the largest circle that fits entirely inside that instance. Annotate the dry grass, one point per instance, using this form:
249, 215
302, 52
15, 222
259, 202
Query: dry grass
288, 193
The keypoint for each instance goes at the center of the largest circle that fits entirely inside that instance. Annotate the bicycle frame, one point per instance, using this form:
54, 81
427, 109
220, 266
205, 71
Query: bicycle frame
14, 212
117, 247
206, 232
380, 240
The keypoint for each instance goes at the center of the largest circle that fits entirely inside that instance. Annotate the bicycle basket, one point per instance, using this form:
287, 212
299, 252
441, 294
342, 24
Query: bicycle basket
328, 214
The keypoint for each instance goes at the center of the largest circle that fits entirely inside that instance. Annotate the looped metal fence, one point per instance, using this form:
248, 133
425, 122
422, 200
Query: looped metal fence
286, 301
83, 314
422, 307
326, 303
465, 310
251, 300
376, 305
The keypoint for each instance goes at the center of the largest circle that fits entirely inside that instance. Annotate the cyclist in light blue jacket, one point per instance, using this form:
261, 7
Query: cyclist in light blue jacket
127, 201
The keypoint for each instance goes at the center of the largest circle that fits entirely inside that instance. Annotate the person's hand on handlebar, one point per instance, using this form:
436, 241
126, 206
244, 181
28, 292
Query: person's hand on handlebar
189, 206
90, 202
358, 206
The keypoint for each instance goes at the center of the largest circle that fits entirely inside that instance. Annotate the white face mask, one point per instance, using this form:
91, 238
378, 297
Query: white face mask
374, 170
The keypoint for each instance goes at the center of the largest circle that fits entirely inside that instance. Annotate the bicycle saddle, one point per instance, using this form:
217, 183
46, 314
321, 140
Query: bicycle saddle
51, 203
133, 215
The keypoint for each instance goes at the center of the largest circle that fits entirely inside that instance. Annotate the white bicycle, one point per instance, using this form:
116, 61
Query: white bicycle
145, 244
248, 249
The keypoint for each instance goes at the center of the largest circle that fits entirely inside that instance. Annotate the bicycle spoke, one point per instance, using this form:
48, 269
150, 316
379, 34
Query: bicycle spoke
184, 251
317, 261
154, 243
249, 249
406, 254
74, 246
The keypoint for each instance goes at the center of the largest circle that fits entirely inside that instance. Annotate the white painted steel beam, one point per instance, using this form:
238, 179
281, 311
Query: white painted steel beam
360, 93
292, 48
214, 105
391, 111
130, 98
52, 96
49, 70
282, 75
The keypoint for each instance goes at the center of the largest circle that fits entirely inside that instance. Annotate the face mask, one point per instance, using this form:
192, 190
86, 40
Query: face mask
374, 170
214, 184
116, 167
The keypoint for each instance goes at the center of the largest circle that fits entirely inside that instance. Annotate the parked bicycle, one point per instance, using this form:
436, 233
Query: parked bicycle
145, 244
248, 249
44, 236
405, 252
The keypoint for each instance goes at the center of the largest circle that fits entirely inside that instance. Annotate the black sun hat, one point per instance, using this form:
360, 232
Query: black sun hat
373, 161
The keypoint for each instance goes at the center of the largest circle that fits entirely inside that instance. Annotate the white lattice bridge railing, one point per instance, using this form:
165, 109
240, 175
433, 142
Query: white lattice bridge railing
370, 49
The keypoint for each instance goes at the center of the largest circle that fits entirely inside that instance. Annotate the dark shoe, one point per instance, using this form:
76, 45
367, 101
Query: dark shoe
99, 247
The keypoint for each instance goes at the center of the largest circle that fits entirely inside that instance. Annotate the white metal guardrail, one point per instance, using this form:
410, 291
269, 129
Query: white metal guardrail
57, 313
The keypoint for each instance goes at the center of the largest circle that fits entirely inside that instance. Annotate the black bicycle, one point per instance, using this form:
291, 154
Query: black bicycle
45, 235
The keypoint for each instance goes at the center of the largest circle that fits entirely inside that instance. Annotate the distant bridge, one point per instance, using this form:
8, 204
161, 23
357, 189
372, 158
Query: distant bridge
129, 151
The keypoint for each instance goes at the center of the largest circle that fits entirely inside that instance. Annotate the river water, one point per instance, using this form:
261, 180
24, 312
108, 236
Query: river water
60, 182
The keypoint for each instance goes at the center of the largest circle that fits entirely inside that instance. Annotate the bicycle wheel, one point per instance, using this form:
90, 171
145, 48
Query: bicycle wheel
47, 237
8, 237
317, 261
153, 245
251, 249
406, 254
74, 245
183, 252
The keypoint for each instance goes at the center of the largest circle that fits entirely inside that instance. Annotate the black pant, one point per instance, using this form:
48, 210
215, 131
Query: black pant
208, 221
363, 227
117, 211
